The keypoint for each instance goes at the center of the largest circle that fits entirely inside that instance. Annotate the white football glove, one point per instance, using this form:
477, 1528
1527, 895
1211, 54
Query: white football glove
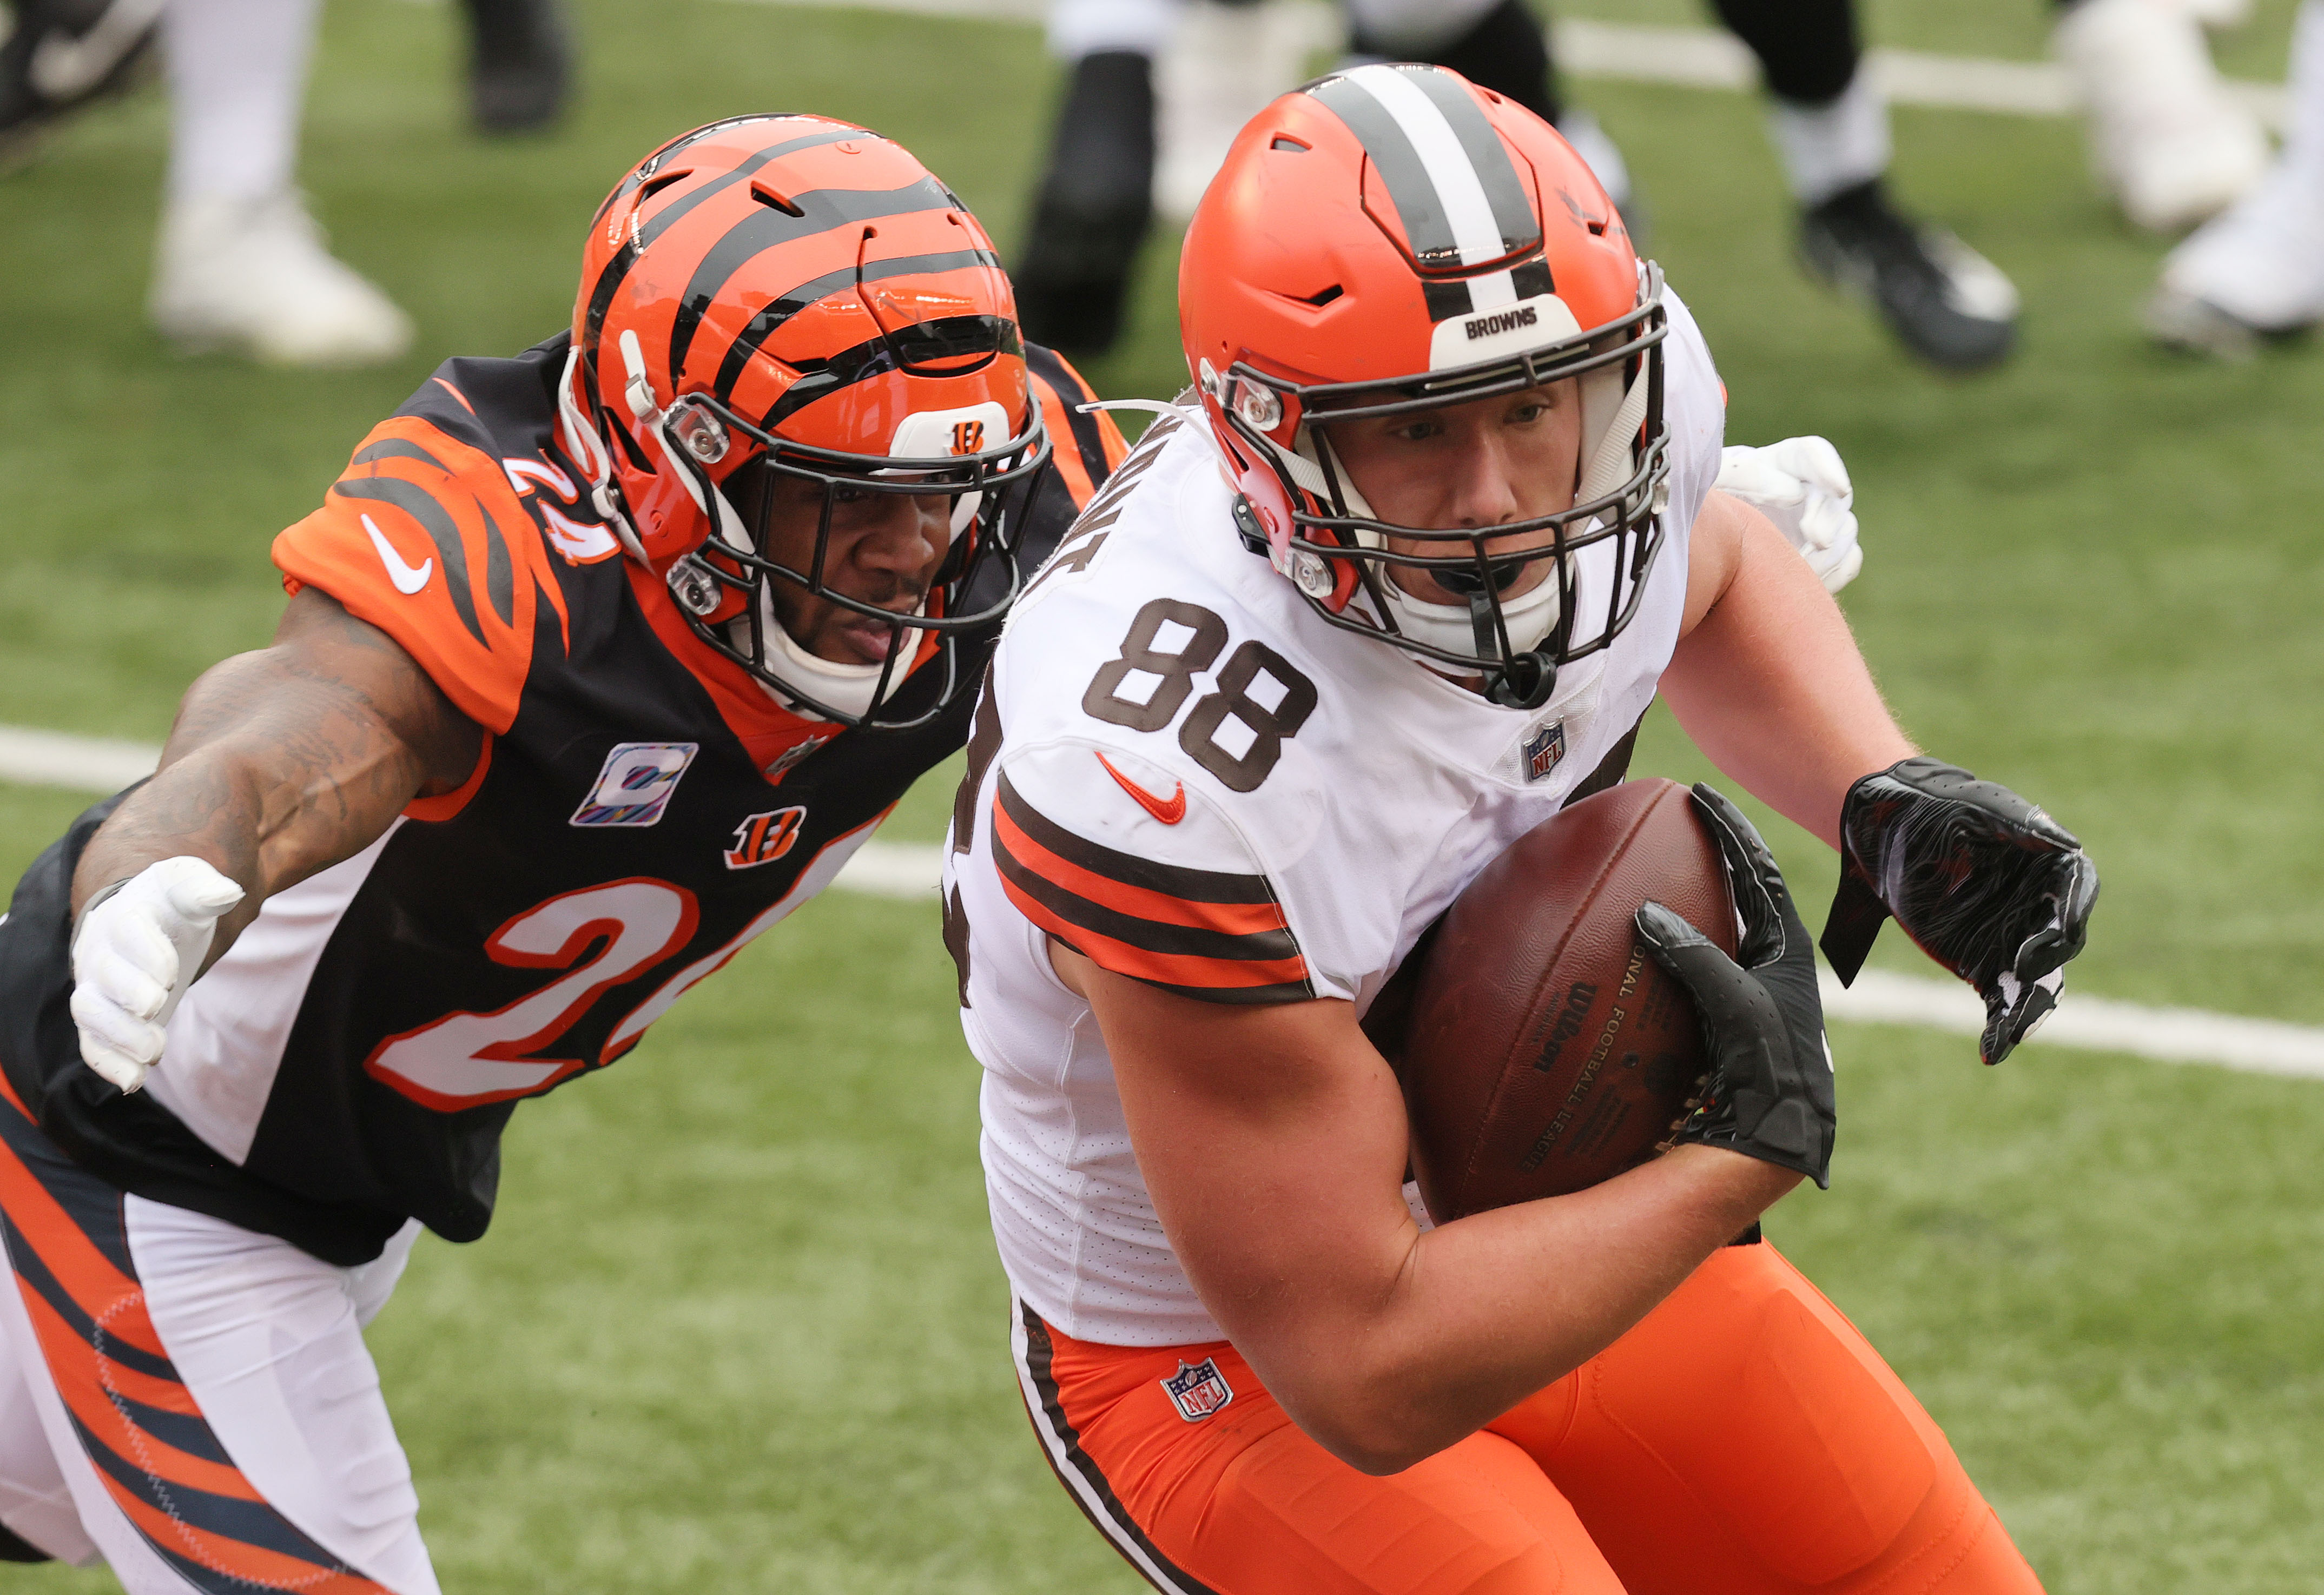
134, 956
1801, 485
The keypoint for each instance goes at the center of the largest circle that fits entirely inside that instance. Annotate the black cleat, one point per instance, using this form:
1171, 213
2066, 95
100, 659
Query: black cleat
1094, 209
1946, 303
520, 64
12, 1548
63, 54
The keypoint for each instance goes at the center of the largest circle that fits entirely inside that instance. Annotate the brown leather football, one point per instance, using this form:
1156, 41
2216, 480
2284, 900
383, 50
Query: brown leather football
1543, 1051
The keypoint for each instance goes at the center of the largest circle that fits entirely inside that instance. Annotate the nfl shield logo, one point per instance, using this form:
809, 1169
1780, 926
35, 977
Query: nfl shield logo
1196, 1390
1543, 750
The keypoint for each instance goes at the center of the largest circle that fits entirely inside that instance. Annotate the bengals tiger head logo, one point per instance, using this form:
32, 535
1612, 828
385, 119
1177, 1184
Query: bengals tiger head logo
968, 437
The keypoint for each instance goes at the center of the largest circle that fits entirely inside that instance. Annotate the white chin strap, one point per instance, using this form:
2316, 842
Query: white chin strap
1529, 617
847, 688
1611, 416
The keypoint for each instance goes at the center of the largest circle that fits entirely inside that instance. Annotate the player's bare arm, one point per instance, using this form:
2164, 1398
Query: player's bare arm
283, 762
286, 760
1768, 681
1385, 1343
1767, 678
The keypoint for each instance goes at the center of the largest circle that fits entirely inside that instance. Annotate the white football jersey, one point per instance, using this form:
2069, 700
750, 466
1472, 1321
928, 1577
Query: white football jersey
1187, 775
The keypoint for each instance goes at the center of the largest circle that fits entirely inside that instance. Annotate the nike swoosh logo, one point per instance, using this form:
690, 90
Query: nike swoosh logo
406, 580
64, 66
1170, 813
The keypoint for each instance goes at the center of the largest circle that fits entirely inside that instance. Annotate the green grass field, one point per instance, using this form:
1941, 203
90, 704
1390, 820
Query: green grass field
738, 1326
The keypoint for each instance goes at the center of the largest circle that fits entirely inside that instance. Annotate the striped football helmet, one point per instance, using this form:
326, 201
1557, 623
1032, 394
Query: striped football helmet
1390, 239
792, 297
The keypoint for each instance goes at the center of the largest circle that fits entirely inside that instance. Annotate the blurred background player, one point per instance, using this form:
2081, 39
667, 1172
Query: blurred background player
2167, 142
2258, 270
1947, 303
240, 264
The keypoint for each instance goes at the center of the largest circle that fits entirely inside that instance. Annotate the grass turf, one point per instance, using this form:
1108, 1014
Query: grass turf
739, 1322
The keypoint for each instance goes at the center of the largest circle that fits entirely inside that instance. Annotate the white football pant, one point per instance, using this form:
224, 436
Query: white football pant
191, 1402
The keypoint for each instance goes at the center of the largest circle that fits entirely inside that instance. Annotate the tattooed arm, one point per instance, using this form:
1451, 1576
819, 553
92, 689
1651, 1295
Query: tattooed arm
284, 761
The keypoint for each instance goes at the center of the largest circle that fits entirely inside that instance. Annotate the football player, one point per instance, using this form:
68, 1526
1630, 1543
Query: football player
1400, 583
599, 661
1827, 116
2256, 274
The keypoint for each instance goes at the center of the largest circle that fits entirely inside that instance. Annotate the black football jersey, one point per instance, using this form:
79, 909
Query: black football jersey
640, 810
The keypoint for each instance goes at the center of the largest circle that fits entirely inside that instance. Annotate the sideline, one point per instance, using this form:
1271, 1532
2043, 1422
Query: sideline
1700, 58
909, 871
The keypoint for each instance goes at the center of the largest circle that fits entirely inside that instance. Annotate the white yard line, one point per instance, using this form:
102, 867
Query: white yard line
1704, 57
909, 870
77, 763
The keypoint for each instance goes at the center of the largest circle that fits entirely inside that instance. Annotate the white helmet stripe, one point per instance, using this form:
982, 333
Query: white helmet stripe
1460, 191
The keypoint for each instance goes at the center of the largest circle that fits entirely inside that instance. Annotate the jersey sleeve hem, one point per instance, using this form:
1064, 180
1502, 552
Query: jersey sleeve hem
423, 537
1214, 935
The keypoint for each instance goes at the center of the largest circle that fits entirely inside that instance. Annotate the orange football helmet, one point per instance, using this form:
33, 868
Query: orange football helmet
1390, 239
792, 296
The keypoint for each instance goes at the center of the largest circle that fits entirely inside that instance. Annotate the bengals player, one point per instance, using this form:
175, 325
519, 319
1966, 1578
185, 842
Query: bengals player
599, 661
1440, 524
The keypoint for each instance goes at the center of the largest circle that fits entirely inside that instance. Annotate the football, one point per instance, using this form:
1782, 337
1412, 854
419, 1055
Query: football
1543, 1051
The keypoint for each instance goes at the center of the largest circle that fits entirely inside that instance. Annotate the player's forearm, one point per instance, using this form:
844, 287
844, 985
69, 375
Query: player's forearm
1488, 1311
268, 777
1772, 687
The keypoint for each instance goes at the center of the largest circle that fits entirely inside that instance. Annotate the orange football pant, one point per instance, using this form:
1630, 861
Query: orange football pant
1743, 1439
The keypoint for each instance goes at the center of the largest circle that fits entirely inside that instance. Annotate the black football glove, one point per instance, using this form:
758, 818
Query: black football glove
1984, 881
1769, 1094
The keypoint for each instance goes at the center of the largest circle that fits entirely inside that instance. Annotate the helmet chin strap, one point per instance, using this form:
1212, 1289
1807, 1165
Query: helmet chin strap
847, 688
1612, 415
1530, 616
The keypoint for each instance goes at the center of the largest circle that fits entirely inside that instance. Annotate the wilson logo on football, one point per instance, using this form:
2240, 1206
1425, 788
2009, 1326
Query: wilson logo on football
968, 437
1197, 1390
765, 837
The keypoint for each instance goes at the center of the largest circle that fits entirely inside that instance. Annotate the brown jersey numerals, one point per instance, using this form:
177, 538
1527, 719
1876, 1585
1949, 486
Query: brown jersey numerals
1260, 692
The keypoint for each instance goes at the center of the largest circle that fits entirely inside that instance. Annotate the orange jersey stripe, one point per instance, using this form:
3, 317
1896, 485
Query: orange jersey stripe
141, 1427
92, 1386
85, 1274
1063, 454
1163, 969
1137, 901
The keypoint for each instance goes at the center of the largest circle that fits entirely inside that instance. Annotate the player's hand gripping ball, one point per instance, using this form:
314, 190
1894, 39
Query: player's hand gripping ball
138, 947
1987, 884
1544, 1050
1769, 1094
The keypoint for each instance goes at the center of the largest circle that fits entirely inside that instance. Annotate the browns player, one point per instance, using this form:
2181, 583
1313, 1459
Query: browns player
1442, 526
599, 661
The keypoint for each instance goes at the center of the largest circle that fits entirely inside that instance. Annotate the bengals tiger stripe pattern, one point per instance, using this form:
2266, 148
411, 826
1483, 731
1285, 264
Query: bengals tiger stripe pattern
1200, 933
159, 1459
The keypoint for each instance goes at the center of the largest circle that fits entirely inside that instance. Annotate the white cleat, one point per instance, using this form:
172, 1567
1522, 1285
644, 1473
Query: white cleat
253, 276
2165, 138
1599, 153
1225, 64
2254, 272
2219, 15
